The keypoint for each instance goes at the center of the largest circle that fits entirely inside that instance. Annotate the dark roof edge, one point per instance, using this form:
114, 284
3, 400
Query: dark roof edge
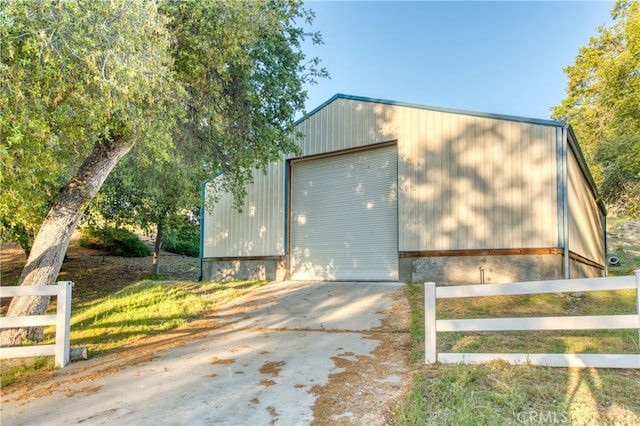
432, 108
318, 108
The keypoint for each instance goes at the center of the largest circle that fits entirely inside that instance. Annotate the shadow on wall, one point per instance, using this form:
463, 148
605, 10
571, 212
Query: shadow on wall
483, 186
258, 269
464, 183
343, 222
473, 183
344, 207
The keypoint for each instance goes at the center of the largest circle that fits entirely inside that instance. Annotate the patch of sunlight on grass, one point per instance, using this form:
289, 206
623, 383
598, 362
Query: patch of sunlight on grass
608, 302
139, 310
502, 306
146, 308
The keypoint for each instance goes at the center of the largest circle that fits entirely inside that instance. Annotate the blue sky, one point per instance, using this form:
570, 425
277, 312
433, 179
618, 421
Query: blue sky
495, 57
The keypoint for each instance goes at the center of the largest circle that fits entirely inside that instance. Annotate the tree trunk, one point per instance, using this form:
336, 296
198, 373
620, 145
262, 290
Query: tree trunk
50, 245
156, 249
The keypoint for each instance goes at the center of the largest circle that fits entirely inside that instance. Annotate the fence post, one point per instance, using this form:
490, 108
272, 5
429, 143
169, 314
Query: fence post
63, 323
637, 274
430, 355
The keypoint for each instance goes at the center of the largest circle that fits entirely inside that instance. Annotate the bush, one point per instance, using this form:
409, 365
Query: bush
119, 242
182, 236
186, 248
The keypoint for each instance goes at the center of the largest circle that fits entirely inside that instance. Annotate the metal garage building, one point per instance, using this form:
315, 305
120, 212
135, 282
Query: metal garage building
393, 191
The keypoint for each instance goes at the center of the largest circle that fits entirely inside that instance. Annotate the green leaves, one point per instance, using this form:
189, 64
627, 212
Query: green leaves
200, 87
603, 106
72, 74
242, 66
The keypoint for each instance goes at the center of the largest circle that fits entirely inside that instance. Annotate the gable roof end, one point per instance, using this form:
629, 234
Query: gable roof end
432, 108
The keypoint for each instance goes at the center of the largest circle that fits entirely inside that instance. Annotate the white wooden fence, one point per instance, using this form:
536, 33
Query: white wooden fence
433, 326
62, 321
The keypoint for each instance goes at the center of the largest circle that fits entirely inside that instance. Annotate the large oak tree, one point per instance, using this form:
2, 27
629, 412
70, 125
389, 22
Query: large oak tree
86, 81
82, 82
243, 69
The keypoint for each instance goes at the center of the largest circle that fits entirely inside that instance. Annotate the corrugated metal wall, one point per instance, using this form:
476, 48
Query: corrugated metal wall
346, 124
465, 182
586, 236
471, 182
259, 229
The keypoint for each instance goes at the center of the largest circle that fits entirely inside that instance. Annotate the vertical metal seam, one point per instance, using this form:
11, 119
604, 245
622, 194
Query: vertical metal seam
397, 199
287, 166
559, 189
565, 203
606, 249
203, 194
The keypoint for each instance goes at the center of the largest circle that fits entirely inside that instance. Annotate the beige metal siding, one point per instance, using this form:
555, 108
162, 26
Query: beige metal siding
465, 182
469, 182
259, 229
344, 216
346, 124
586, 236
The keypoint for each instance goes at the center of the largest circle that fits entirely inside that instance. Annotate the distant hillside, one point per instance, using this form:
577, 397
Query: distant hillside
623, 241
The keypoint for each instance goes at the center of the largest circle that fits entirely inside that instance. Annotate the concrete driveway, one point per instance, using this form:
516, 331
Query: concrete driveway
259, 364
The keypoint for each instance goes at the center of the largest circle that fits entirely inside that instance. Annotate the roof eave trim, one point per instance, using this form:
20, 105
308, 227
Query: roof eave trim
432, 108
318, 108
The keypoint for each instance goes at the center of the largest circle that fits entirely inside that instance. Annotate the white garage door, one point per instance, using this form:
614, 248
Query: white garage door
344, 217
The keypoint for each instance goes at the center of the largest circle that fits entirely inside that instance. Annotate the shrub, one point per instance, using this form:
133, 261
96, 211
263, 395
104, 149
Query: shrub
186, 248
182, 236
119, 242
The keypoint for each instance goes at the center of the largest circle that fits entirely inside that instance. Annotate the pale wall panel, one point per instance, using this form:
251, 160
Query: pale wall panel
346, 124
469, 182
259, 229
586, 236
464, 182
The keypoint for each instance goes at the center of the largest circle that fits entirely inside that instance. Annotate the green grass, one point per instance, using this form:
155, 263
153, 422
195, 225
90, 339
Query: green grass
146, 308
623, 241
140, 310
562, 304
11, 374
499, 393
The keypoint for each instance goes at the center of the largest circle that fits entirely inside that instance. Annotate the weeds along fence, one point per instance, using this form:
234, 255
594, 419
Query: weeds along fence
596, 322
62, 321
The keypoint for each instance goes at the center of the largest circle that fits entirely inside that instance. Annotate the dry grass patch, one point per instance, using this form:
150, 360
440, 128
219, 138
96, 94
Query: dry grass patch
498, 393
272, 368
217, 361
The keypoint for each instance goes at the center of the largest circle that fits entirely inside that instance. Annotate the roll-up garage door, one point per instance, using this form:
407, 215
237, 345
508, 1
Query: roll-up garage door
344, 217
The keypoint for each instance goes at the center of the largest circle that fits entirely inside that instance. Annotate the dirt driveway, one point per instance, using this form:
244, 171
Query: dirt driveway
289, 354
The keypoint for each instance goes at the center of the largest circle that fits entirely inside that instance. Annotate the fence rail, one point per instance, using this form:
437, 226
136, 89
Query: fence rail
62, 321
433, 325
